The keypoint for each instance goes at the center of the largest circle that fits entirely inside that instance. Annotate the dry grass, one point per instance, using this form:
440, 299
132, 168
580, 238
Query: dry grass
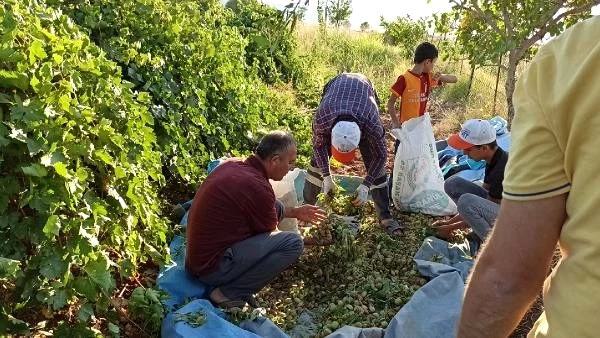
343, 50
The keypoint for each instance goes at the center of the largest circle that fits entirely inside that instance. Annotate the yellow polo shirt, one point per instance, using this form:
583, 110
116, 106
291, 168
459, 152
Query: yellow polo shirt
556, 150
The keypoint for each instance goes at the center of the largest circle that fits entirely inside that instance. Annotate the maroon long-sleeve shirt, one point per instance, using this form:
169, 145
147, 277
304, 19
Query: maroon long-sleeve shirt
235, 202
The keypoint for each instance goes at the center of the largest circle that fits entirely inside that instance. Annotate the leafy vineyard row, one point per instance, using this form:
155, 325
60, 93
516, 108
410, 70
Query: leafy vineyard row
99, 101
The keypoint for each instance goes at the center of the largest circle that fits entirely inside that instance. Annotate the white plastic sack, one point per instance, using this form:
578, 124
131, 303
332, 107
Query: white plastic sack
285, 191
418, 183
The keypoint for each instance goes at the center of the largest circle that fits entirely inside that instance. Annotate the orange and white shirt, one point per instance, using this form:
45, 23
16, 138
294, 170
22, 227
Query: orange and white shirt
414, 90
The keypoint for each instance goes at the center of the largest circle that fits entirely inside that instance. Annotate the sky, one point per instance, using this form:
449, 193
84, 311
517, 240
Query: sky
372, 10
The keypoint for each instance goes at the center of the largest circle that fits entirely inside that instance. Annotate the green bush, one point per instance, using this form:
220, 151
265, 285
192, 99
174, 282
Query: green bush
326, 55
406, 33
145, 307
78, 164
205, 99
271, 44
298, 122
456, 93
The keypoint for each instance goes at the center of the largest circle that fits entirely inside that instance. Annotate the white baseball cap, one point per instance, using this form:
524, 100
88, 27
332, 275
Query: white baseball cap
474, 132
345, 137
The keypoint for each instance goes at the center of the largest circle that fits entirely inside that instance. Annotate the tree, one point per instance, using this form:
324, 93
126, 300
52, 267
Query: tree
491, 28
404, 32
338, 11
364, 26
271, 37
321, 4
301, 13
445, 26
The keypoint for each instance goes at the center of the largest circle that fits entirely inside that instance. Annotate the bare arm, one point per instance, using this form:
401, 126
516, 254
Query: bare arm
446, 231
511, 270
448, 78
391, 108
444, 78
306, 213
455, 218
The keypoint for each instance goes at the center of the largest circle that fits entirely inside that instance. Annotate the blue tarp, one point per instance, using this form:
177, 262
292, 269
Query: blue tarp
215, 326
186, 296
434, 310
436, 257
445, 263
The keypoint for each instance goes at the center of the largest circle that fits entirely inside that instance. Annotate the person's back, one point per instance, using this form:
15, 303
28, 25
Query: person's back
221, 214
349, 94
561, 88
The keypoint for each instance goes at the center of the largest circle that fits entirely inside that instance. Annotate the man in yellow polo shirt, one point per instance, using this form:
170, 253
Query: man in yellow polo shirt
550, 195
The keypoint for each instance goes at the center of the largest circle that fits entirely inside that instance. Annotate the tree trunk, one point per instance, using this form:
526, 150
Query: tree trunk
471, 78
511, 79
320, 18
497, 81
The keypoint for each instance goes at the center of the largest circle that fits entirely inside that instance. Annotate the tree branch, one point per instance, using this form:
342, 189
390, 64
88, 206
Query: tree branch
546, 27
478, 12
576, 10
541, 31
509, 28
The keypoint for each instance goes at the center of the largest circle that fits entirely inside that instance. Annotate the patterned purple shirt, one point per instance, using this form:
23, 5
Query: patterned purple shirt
351, 97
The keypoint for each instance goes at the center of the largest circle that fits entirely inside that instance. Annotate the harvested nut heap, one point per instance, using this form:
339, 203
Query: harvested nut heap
360, 280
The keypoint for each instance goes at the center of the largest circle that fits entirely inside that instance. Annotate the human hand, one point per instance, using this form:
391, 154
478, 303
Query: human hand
362, 194
328, 186
445, 232
395, 121
437, 76
310, 214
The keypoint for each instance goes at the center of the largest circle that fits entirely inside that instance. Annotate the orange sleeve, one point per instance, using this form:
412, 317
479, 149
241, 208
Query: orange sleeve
399, 86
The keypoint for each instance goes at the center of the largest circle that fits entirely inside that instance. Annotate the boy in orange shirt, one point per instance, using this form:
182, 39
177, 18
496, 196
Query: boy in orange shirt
415, 85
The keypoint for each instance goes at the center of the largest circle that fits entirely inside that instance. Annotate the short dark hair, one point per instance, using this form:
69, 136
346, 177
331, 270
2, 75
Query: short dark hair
425, 51
273, 143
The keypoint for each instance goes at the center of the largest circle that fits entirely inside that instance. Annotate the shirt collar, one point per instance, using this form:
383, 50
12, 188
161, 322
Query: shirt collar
417, 75
254, 162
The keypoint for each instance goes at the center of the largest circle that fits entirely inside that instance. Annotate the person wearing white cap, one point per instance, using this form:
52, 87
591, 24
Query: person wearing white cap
348, 119
477, 205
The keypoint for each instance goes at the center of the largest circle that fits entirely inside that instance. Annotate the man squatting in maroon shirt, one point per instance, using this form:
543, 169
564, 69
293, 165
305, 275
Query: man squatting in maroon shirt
233, 244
